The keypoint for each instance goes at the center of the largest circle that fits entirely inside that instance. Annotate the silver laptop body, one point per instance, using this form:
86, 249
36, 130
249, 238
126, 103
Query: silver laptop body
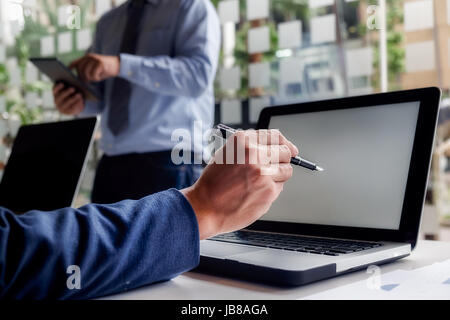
364, 209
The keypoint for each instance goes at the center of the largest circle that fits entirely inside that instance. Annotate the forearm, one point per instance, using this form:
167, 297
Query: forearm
117, 247
179, 76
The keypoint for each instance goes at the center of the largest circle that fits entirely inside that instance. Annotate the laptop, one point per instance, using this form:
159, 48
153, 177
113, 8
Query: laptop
45, 166
364, 209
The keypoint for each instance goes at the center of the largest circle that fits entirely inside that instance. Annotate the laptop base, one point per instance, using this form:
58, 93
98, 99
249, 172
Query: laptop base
272, 276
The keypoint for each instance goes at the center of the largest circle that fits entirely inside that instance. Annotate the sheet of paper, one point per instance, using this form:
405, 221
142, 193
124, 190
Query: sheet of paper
258, 40
259, 74
374, 287
418, 15
255, 106
2, 53
320, 3
420, 56
231, 111
31, 73
323, 29
2, 104
84, 39
31, 99
228, 11
65, 42
257, 9
102, 6
291, 70
290, 34
430, 282
230, 79
47, 98
48, 46
359, 62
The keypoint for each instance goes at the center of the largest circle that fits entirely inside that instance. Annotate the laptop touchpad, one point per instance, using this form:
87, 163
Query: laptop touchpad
223, 250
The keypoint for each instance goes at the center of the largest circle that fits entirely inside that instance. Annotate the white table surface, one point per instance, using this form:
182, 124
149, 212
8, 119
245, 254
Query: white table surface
192, 285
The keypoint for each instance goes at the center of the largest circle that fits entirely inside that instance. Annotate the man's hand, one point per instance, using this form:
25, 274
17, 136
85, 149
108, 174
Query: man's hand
96, 67
229, 197
67, 99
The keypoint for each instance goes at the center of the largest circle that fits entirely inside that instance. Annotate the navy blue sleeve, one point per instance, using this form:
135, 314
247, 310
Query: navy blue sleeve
116, 247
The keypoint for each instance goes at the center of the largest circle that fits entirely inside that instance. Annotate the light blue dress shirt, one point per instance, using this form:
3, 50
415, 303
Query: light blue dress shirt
172, 74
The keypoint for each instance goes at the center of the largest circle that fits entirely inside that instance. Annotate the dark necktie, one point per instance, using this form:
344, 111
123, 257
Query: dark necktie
121, 88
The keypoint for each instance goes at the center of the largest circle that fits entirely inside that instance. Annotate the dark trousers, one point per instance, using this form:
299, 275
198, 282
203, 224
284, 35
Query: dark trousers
134, 176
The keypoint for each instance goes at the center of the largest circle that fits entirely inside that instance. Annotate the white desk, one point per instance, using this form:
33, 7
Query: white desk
192, 285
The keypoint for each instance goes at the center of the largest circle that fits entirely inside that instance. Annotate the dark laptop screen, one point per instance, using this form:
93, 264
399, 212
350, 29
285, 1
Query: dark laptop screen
45, 165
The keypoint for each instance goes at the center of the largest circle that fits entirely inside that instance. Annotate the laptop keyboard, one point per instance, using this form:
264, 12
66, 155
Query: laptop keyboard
325, 246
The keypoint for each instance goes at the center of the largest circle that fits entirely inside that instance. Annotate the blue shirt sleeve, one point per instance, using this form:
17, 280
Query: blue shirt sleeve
190, 72
116, 247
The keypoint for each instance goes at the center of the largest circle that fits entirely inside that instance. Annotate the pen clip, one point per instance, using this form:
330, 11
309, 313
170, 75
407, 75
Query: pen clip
224, 131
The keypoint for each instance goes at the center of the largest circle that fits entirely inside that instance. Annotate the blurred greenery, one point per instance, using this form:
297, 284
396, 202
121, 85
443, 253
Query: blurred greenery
395, 50
27, 45
282, 11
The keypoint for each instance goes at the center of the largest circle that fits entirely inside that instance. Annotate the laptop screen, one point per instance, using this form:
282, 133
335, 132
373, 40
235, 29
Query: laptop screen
45, 165
366, 154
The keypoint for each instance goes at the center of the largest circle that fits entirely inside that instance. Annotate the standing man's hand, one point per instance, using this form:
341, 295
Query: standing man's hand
96, 67
229, 197
67, 99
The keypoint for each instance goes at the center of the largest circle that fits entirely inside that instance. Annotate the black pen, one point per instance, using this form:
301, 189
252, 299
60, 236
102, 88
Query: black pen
298, 161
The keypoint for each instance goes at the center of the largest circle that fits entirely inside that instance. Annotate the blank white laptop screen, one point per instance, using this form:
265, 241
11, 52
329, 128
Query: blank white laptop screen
366, 154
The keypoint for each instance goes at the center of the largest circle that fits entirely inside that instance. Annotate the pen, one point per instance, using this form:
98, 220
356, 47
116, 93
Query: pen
298, 161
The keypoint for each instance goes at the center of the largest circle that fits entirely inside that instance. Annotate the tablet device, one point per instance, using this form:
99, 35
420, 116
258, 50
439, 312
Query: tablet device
58, 72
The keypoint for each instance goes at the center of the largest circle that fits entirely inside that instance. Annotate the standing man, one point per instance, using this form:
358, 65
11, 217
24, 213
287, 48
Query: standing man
153, 63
